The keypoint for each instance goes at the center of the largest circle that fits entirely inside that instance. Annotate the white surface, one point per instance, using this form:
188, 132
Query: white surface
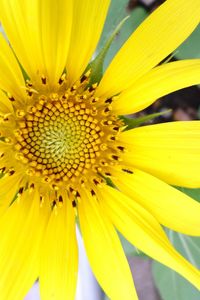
87, 288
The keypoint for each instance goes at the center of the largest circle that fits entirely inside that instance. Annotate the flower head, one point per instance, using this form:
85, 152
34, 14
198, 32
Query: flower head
62, 141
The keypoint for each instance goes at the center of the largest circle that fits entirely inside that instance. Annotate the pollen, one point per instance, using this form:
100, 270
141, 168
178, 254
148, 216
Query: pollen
64, 138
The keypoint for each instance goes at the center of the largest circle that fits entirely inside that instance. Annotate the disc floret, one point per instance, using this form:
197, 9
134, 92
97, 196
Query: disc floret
63, 138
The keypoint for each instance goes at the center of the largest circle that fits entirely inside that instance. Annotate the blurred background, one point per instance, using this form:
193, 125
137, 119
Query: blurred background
154, 281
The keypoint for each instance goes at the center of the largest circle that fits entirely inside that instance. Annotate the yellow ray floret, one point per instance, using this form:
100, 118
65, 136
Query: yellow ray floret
169, 206
143, 230
157, 83
89, 17
160, 34
100, 237
58, 270
173, 146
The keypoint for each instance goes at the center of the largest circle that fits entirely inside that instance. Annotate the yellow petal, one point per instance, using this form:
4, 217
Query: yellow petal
5, 104
21, 229
13, 16
11, 79
157, 83
9, 186
59, 257
104, 251
168, 205
39, 32
169, 151
160, 34
56, 22
142, 230
88, 21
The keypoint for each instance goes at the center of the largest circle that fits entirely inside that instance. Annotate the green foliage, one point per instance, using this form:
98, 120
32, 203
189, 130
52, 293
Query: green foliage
191, 47
117, 12
193, 193
170, 284
132, 123
136, 17
120, 23
96, 66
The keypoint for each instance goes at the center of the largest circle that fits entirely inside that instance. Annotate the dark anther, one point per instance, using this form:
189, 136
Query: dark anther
78, 195
127, 171
120, 148
106, 110
94, 100
29, 84
113, 138
83, 78
116, 128
3, 169
95, 181
12, 99
54, 186
21, 190
107, 174
44, 80
91, 88
29, 93
60, 81
109, 100
60, 199
93, 193
72, 89
11, 172
115, 157
106, 123
32, 186
74, 203
71, 189
53, 203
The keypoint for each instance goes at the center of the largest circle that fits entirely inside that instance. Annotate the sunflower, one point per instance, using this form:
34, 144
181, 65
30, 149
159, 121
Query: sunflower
66, 158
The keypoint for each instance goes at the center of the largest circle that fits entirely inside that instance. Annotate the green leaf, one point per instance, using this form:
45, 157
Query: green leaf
132, 123
169, 283
116, 13
191, 47
136, 17
96, 66
194, 193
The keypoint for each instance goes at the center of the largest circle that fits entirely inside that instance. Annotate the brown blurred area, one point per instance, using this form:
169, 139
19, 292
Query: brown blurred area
143, 279
148, 4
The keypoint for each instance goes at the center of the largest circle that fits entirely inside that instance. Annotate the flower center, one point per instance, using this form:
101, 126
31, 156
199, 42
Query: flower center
60, 139
66, 137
